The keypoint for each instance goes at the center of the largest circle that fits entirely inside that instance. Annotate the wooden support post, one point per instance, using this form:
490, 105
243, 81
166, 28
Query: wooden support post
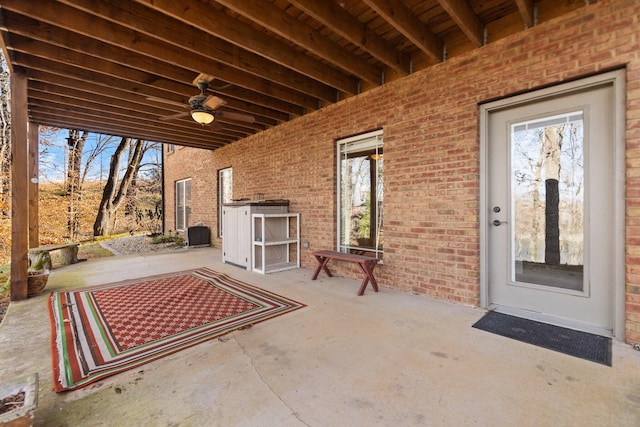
34, 194
19, 186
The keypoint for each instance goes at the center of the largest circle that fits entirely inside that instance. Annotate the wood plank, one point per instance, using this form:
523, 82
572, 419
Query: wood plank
49, 100
466, 19
219, 24
161, 27
53, 93
151, 57
525, 7
58, 73
337, 19
401, 18
297, 32
19, 185
201, 136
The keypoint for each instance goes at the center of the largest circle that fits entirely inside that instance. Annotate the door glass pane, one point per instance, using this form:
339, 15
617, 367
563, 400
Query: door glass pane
547, 201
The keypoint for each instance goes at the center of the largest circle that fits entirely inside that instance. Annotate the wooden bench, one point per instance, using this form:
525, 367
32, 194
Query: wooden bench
366, 264
41, 254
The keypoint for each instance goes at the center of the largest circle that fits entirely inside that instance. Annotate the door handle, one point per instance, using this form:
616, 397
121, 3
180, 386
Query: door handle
498, 222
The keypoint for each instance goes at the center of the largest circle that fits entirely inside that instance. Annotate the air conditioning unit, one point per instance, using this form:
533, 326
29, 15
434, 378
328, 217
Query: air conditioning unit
198, 235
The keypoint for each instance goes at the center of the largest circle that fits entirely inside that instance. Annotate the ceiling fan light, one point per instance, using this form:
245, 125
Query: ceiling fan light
202, 116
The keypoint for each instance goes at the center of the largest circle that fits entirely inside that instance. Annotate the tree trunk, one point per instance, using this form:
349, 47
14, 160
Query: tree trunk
552, 148
76, 142
114, 194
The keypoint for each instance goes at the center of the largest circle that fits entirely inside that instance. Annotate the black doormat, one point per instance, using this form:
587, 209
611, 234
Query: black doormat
587, 346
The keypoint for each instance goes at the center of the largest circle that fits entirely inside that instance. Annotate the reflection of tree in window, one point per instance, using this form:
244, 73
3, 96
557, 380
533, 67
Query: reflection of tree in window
548, 190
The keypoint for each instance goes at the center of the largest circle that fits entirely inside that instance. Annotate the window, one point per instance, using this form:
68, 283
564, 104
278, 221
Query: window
171, 148
183, 204
360, 194
225, 184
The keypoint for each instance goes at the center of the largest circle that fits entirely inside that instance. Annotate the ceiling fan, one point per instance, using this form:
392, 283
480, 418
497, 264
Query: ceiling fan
203, 107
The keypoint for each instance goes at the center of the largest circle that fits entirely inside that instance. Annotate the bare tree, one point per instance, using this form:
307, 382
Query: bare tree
103, 143
115, 188
5, 137
76, 142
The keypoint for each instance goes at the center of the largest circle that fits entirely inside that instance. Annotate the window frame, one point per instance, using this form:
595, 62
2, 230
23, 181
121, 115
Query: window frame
369, 141
221, 194
186, 214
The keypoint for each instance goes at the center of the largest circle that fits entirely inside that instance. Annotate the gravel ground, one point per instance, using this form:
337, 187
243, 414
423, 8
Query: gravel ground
138, 245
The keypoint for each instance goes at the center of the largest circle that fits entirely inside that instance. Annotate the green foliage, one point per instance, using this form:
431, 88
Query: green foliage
5, 282
176, 240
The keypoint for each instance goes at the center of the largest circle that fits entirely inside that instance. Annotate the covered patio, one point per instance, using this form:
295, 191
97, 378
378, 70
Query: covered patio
141, 68
383, 359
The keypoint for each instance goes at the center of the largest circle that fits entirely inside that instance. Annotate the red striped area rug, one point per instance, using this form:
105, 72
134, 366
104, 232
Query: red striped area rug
104, 330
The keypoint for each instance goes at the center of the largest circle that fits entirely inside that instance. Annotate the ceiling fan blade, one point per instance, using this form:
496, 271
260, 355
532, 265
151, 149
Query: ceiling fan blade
214, 102
166, 101
237, 116
174, 116
203, 77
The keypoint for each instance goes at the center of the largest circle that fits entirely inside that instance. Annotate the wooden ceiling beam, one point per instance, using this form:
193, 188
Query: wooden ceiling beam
137, 43
403, 20
70, 122
219, 24
286, 26
93, 69
139, 18
88, 119
336, 18
525, 7
137, 126
466, 19
61, 84
46, 99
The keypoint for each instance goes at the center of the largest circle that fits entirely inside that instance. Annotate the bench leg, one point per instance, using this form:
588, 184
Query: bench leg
367, 269
322, 265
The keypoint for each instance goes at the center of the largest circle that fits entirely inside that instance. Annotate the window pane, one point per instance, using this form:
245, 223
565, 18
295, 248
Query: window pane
187, 204
179, 205
183, 204
361, 196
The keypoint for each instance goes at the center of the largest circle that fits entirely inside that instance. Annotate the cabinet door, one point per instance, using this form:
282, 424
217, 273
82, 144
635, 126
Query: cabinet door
229, 247
243, 233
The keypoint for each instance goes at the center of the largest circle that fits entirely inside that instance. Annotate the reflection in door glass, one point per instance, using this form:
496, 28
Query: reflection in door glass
547, 196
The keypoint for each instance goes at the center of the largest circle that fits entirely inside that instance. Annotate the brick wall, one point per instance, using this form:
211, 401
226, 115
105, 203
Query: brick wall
431, 145
194, 164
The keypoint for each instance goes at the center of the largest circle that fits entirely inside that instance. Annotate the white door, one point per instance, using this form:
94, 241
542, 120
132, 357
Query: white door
550, 207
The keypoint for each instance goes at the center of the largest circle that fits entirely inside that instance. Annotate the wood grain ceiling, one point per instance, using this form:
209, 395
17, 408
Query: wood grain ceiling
118, 67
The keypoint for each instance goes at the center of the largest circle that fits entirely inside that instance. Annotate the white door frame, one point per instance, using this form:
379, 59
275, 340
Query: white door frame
617, 79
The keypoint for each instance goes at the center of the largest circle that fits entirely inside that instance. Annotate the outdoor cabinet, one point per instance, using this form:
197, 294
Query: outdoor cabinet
237, 245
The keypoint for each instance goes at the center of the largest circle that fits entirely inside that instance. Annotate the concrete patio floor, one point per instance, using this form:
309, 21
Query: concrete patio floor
384, 359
